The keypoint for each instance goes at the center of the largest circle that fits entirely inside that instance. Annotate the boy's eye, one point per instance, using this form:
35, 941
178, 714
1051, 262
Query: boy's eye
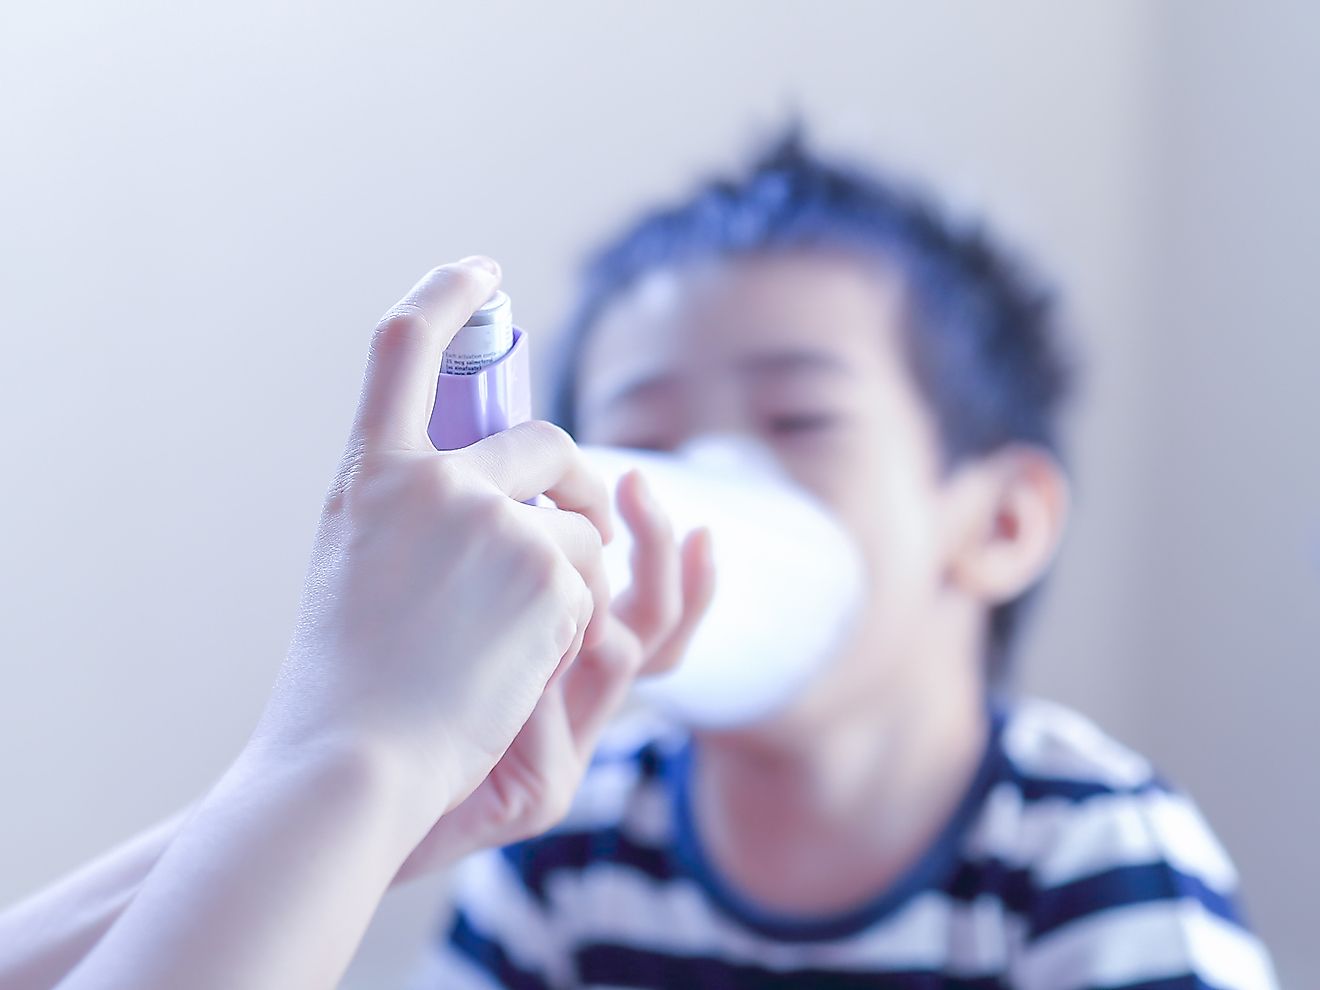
800, 423
657, 444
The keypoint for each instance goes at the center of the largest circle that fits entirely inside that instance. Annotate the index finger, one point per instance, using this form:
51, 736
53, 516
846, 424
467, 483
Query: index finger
398, 388
538, 457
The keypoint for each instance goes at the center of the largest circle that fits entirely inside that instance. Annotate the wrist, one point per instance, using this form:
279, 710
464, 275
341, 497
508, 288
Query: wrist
353, 775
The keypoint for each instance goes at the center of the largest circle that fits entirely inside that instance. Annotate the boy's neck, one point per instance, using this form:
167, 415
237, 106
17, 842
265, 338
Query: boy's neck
820, 821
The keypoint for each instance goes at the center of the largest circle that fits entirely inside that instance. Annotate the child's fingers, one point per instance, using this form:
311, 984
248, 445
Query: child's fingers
545, 766
698, 567
652, 603
528, 791
598, 683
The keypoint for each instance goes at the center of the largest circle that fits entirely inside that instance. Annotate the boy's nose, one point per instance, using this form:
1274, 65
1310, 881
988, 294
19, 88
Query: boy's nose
708, 410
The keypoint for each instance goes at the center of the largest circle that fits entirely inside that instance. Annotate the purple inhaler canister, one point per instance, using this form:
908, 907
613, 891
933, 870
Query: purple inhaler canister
493, 391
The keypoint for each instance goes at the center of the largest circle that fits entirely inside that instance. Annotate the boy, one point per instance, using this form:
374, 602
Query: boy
898, 826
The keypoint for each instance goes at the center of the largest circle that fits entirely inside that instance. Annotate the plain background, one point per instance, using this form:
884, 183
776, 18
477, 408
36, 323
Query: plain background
203, 210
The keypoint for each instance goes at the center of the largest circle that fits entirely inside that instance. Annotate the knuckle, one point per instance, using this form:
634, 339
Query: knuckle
495, 527
491, 517
670, 613
662, 616
588, 535
440, 477
633, 658
363, 486
664, 529
671, 603
569, 593
662, 662
539, 563
587, 607
565, 631
548, 433
655, 537
404, 323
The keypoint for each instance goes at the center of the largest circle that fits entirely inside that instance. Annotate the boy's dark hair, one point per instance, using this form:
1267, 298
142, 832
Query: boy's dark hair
982, 336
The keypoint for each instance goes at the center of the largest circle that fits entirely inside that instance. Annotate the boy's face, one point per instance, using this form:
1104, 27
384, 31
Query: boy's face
804, 352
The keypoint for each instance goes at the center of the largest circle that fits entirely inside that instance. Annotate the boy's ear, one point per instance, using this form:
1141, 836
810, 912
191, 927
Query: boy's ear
1011, 508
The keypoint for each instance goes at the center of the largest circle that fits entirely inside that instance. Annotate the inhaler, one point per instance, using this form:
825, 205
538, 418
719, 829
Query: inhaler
788, 578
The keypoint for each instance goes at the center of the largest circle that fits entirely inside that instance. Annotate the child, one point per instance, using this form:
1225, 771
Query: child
900, 825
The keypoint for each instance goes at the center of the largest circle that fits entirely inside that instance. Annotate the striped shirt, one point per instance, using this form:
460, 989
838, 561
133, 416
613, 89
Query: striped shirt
1069, 864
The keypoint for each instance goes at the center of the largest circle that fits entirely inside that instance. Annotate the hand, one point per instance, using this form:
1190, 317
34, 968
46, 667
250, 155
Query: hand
646, 632
437, 609
437, 605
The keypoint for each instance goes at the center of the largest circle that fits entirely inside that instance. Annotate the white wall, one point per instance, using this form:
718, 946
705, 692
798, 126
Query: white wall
202, 212
1231, 535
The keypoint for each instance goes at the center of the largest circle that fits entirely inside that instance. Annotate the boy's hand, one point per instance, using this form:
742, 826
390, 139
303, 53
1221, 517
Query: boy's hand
438, 605
645, 632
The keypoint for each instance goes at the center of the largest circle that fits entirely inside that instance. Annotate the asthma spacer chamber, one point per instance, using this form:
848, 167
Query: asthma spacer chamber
788, 580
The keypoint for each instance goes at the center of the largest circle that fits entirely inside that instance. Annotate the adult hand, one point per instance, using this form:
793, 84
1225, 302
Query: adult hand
438, 605
437, 609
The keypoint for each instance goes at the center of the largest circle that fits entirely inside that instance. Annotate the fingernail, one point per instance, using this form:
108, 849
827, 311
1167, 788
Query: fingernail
482, 263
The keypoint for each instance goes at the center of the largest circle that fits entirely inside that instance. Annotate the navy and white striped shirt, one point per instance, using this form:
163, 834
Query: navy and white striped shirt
1068, 864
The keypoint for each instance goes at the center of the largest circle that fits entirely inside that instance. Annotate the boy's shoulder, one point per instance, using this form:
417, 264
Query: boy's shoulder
1072, 808
1055, 751
1104, 860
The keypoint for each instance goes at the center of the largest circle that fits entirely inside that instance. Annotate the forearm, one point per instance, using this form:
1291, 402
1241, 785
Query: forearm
43, 937
270, 883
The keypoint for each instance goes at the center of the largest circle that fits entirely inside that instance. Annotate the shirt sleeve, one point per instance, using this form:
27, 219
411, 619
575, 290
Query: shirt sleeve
1136, 892
497, 935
